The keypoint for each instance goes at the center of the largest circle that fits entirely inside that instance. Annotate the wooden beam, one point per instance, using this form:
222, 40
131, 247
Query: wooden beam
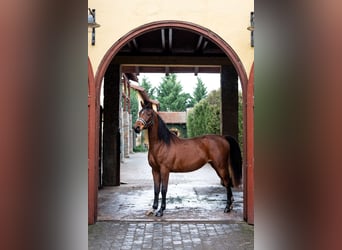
174, 69
135, 44
163, 38
204, 45
170, 39
171, 60
199, 42
196, 71
130, 46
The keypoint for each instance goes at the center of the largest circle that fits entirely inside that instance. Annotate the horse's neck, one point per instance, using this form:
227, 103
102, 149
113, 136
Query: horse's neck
153, 132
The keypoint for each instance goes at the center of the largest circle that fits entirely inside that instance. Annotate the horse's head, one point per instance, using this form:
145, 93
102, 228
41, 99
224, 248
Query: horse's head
145, 118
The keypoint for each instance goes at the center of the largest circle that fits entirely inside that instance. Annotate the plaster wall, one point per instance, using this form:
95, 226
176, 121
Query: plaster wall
229, 19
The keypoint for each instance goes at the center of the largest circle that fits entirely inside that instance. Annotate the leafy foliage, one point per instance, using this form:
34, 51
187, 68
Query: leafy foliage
205, 117
140, 148
146, 84
134, 106
170, 95
200, 92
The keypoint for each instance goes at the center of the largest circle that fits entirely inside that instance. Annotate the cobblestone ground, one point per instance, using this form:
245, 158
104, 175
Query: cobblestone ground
169, 235
193, 218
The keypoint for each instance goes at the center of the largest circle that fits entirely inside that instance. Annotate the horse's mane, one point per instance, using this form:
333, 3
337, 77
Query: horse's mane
164, 134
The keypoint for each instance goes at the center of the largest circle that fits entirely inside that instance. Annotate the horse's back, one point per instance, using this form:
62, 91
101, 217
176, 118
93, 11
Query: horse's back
215, 142
202, 146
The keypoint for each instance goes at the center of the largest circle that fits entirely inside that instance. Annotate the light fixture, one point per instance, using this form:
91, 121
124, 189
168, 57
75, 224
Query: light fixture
251, 28
92, 24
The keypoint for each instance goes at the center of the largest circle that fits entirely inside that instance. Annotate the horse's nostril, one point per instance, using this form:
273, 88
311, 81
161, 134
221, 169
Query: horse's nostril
137, 130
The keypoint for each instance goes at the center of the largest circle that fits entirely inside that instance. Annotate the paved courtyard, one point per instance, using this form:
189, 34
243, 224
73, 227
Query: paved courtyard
193, 218
170, 235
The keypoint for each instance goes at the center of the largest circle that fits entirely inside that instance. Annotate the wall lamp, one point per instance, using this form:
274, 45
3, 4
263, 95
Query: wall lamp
251, 28
92, 24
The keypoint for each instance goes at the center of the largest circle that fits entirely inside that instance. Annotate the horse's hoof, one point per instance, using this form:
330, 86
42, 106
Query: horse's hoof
228, 209
159, 213
149, 212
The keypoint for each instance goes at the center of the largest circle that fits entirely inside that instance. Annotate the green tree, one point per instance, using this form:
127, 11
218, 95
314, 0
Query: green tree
205, 117
200, 91
214, 98
214, 112
146, 84
170, 95
134, 106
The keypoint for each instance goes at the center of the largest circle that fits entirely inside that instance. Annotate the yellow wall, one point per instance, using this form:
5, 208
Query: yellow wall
227, 18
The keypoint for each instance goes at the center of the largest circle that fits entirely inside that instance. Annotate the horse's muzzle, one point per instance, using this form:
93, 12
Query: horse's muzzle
136, 129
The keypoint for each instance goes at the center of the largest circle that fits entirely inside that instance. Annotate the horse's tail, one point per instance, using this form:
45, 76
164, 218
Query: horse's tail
235, 166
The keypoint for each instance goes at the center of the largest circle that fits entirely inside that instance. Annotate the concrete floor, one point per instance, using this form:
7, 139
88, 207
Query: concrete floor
193, 196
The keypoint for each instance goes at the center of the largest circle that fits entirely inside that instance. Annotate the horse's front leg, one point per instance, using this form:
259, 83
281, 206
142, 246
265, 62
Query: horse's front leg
165, 181
156, 181
229, 205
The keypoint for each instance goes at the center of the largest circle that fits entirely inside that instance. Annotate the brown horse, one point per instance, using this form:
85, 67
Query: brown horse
169, 153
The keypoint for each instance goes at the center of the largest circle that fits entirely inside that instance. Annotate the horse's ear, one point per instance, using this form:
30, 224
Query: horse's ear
148, 105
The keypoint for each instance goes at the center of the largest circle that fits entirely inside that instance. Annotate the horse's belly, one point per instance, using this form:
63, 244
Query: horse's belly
188, 163
184, 157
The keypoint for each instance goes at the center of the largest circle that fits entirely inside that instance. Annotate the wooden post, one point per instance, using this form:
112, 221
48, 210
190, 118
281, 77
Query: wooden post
249, 180
230, 97
92, 148
111, 134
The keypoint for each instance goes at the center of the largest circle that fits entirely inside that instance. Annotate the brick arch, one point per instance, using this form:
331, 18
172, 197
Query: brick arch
113, 50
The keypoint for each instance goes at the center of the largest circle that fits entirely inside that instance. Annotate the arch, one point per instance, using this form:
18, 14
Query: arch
115, 48
92, 148
108, 57
249, 150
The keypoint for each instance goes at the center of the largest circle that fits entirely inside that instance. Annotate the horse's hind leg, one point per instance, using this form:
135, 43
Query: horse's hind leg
228, 185
229, 205
222, 172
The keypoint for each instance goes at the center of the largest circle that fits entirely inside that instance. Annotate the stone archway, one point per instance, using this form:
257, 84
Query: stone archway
233, 57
